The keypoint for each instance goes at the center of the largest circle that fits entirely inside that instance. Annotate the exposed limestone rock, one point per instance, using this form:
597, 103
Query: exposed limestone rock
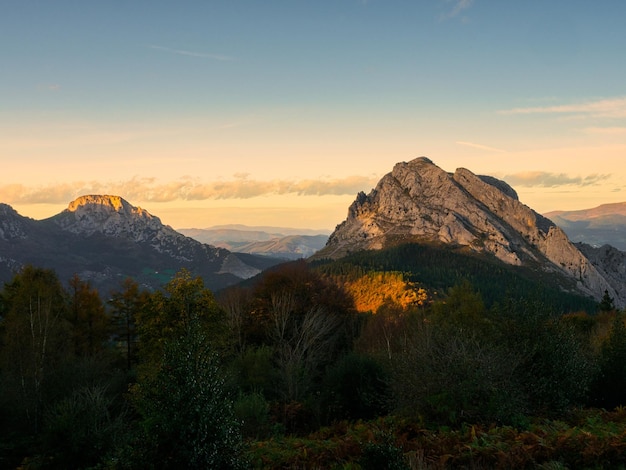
112, 216
418, 201
611, 262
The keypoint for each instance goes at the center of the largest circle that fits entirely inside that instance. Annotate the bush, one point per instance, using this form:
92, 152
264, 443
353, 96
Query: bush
253, 412
356, 387
80, 429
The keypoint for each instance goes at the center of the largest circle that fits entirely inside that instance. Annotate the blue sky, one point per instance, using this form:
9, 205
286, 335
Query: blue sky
278, 112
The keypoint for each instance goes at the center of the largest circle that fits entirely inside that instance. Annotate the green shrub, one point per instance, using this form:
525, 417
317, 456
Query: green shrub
253, 411
356, 387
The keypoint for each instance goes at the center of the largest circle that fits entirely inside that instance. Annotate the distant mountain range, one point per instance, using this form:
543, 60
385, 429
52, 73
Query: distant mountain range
277, 242
602, 225
104, 239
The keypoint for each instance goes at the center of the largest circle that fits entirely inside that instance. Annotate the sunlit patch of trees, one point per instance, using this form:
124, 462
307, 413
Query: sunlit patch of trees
370, 291
186, 378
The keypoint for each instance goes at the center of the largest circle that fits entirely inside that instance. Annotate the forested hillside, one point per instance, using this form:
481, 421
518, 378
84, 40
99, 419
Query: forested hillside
332, 365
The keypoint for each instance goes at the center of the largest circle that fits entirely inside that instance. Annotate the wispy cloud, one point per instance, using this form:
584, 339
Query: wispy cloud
459, 6
193, 54
606, 108
552, 180
480, 146
185, 189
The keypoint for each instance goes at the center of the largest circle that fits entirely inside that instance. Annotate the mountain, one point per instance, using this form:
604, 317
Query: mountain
104, 239
418, 202
605, 224
278, 242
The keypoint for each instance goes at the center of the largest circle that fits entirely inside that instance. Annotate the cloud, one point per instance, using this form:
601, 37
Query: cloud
552, 180
606, 108
480, 146
459, 7
193, 54
185, 189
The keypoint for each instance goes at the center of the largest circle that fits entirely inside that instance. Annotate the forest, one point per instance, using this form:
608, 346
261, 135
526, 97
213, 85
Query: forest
356, 364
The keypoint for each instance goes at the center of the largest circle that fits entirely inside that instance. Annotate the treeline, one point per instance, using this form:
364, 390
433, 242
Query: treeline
183, 378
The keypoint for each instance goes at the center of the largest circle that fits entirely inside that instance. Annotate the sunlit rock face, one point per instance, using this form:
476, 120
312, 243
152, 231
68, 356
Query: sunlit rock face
110, 215
420, 202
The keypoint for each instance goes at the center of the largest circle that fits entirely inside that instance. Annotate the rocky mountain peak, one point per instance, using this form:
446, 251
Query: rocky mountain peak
109, 215
419, 202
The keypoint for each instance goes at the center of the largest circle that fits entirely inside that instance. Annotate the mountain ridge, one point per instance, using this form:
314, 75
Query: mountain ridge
104, 239
419, 202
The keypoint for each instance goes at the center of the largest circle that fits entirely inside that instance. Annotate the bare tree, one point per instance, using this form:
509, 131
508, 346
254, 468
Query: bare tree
303, 341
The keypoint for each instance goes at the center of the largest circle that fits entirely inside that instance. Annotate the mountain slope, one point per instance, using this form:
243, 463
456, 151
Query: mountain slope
105, 239
419, 202
605, 224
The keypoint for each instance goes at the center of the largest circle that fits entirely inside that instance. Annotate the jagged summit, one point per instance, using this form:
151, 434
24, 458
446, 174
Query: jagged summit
419, 202
110, 215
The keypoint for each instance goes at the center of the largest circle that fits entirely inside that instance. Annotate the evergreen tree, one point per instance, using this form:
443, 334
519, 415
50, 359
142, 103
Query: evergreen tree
186, 416
607, 303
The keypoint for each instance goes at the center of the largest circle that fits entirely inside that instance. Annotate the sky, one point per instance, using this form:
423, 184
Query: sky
278, 112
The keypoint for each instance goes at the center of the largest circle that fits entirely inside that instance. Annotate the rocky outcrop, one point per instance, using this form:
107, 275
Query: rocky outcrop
420, 202
12, 225
611, 262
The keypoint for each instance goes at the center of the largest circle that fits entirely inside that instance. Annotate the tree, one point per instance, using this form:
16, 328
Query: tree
607, 304
303, 343
37, 339
126, 304
186, 416
90, 323
170, 313
235, 302
355, 387
609, 388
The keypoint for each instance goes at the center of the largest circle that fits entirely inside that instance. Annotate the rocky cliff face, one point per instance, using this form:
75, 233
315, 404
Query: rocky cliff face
420, 202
